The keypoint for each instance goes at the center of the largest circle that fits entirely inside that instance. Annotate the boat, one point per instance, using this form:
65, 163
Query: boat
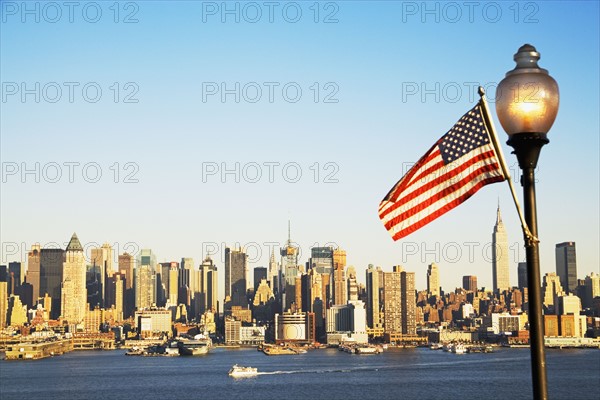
278, 350
366, 350
237, 371
459, 348
197, 346
436, 346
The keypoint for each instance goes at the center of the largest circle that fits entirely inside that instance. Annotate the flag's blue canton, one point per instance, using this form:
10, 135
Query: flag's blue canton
467, 134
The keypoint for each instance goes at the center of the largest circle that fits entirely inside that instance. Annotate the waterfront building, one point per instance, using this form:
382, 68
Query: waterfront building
566, 266
235, 276
252, 335
433, 280
153, 322
232, 330
296, 327
469, 283
73, 288
500, 256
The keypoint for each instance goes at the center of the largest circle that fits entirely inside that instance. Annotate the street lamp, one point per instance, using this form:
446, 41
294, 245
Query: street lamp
527, 104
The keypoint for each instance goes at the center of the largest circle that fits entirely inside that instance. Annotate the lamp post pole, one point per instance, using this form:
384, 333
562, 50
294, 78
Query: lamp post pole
527, 149
527, 104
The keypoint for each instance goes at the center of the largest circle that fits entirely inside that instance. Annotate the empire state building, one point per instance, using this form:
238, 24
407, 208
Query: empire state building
500, 255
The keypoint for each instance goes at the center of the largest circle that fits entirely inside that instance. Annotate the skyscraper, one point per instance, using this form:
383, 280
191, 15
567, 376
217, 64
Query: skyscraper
126, 267
173, 283
3, 297
289, 266
33, 270
14, 277
235, 277
73, 290
352, 284
374, 288
433, 280
522, 274
409, 303
552, 289
208, 270
145, 280
500, 255
340, 296
392, 303
259, 274
51, 277
470, 283
566, 266
101, 259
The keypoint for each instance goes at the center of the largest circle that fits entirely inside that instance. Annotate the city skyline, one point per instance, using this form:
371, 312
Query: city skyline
164, 182
220, 263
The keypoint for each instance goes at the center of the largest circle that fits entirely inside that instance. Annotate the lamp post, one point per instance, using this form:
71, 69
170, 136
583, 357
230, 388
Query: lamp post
527, 104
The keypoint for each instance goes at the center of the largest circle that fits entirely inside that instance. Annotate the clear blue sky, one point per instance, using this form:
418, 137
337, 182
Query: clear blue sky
177, 52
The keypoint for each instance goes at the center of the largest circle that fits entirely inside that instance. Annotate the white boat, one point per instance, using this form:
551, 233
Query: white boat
237, 371
459, 348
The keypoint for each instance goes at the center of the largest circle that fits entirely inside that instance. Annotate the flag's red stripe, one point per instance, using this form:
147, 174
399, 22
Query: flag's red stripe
441, 195
446, 208
409, 175
440, 180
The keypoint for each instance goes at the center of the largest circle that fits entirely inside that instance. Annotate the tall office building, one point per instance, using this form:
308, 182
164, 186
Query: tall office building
433, 280
274, 274
145, 280
522, 274
469, 283
352, 284
14, 277
208, 271
33, 270
566, 266
400, 302
172, 283
101, 259
552, 289
51, 277
235, 277
115, 294
340, 296
259, 274
374, 283
500, 255
392, 300
126, 267
321, 259
73, 291
289, 266
3, 297
591, 289
409, 303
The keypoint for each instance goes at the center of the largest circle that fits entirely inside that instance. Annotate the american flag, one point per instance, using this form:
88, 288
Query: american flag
459, 164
